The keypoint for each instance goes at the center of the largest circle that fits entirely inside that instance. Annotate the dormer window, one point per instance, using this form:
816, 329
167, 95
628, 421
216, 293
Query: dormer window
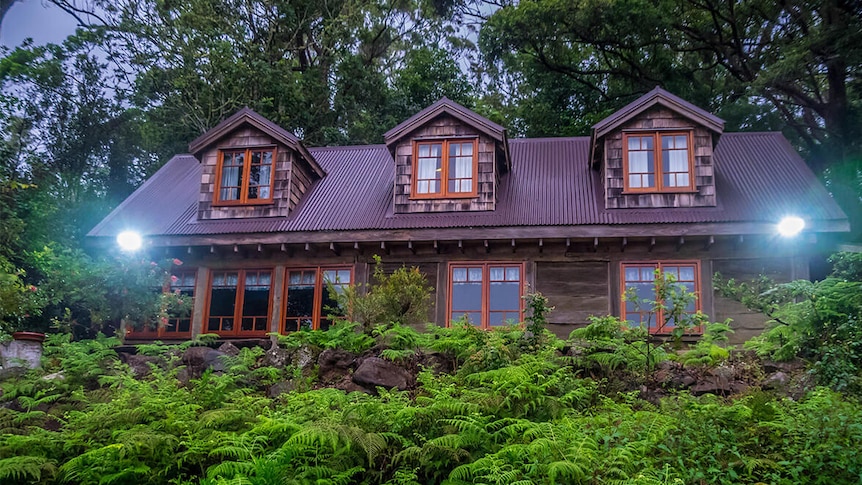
245, 176
445, 168
672, 174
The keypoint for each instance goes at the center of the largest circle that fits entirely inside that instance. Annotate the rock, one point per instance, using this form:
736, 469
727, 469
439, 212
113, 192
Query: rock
777, 380
334, 364
199, 359
213, 360
140, 364
276, 357
57, 376
302, 358
229, 349
438, 362
12, 372
280, 388
349, 386
374, 372
20, 353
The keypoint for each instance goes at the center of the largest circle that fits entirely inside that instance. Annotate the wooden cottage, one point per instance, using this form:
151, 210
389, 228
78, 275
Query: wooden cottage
263, 222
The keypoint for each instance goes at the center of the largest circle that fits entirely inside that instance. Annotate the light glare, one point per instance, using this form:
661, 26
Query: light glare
791, 226
129, 240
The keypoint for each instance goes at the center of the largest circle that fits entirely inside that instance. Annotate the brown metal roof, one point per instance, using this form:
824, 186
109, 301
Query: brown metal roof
650, 99
248, 115
445, 105
759, 179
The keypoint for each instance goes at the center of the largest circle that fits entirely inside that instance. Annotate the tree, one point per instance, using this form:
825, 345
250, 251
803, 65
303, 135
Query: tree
758, 64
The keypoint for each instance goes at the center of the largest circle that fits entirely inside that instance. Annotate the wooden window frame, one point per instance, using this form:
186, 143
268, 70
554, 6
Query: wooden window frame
444, 164
160, 331
246, 172
319, 288
660, 328
657, 159
239, 302
486, 289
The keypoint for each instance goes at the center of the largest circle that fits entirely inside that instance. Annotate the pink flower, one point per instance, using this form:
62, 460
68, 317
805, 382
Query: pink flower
177, 262
179, 302
153, 263
174, 279
164, 321
33, 288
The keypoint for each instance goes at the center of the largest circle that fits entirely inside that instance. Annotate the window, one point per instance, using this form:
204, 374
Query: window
239, 302
643, 174
245, 176
487, 294
177, 326
445, 168
639, 281
307, 300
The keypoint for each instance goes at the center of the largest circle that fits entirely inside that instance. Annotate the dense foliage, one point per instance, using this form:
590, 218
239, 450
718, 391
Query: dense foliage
504, 416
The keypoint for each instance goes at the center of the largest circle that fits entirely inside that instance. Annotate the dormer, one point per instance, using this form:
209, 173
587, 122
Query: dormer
657, 152
251, 167
447, 159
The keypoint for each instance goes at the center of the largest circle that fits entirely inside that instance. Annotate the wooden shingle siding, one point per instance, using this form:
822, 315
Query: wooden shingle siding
441, 127
291, 179
660, 118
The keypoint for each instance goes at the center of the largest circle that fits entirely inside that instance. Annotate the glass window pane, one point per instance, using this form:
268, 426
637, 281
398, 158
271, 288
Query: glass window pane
222, 302
474, 274
466, 297
513, 274
505, 296
497, 274
681, 141
686, 273
459, 274
632, 274
300, 301
308, 277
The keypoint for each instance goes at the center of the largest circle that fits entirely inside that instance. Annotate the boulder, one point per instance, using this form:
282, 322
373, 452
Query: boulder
276, 357
140, 364
374, 372
199, 359
229, 349
333, 364
777, 380
302, 358
280, 388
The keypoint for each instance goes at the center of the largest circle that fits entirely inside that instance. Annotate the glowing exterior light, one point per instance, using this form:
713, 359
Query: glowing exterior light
791, 226
129, 240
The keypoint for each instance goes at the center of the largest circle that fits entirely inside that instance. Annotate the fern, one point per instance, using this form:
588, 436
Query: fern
35, 469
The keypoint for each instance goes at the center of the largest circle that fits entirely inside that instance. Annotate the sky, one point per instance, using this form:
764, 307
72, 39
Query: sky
41, 21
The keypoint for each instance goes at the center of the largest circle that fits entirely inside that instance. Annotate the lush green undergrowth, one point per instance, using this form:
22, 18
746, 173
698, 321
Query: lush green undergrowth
516, 410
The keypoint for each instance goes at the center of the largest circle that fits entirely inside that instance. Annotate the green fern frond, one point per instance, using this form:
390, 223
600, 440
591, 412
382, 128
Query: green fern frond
36, 469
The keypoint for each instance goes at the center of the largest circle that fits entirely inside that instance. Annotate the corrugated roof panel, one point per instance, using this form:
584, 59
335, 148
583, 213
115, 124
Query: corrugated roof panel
759, 177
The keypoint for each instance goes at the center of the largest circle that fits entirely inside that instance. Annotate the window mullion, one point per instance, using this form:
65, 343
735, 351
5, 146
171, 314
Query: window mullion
239, 301
444, 168
317, 300
246, 173
486, 297
657, 153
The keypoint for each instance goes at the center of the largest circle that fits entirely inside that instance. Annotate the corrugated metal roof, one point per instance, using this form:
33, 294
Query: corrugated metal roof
759, 178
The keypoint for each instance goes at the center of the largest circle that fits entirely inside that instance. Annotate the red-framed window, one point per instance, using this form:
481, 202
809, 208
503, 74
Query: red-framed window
239, 302
177, 326
639, 288
486, 294
245, 176
445, 168
308, 302
658, 162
